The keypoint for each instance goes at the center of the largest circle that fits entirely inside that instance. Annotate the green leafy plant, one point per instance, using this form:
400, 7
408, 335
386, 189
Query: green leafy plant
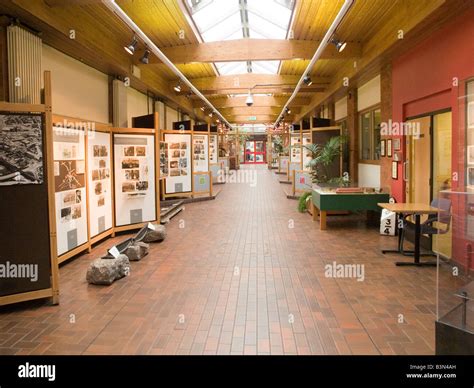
302, 201
323, 155
278, 144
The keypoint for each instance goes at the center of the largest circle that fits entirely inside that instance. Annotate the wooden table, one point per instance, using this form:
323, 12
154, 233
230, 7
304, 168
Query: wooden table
417, 210
329, 201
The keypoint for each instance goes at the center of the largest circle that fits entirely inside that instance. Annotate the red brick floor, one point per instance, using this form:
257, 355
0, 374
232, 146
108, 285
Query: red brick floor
243, 274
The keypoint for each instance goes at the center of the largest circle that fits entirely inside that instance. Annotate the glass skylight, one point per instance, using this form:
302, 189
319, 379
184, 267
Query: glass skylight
219, 20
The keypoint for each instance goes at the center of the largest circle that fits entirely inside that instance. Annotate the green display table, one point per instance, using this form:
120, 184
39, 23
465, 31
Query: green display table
325, 199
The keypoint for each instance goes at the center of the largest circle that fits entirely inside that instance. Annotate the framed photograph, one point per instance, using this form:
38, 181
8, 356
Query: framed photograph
470, 177
382, 147
397, 146
470, 154
394, 170
470, 115
389, 148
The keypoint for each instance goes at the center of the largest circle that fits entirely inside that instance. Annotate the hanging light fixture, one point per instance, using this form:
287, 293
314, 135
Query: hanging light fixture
307, 80
249, 100
145, 59
132, 46
340, 45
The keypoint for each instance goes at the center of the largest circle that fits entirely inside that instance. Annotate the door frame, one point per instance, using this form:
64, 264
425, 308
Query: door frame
254, 153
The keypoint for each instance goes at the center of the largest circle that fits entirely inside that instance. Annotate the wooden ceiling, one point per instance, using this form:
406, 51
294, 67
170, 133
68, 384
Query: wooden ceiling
369, 28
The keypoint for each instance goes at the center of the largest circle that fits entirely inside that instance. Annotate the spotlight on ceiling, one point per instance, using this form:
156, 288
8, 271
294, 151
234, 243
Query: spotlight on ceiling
307, 80
288, 111
203, 108
145, 59
132, 46
340, 46
177, 88
211, 114
249, 100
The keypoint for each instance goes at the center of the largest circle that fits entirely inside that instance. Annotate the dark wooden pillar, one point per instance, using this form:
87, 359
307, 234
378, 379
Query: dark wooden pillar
353, 130
4, 22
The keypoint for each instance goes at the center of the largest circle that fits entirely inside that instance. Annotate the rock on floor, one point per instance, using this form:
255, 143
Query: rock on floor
107, 270
137, 251
159, 234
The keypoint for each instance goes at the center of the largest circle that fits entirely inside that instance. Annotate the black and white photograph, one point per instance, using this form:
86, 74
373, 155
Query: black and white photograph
21, 149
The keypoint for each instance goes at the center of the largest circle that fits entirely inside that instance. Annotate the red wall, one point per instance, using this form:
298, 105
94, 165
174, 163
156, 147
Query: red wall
422, 82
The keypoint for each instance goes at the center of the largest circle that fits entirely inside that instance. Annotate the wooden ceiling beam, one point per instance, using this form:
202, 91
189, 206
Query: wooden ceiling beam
254, 50
264, 101
252, 80
254, 110
248, 119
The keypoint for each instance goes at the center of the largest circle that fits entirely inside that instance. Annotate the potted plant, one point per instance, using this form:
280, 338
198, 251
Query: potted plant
323, 155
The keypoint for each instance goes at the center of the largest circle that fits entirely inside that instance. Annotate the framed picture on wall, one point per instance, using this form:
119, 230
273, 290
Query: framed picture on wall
394, 170
470, 115
389, 148
396, 145
470, 177
470, 154
382, 147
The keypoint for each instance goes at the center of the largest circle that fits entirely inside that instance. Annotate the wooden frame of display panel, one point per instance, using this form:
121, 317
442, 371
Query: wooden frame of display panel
156, 143
207, 173
303, 171
289, 172
45, 110
91, 240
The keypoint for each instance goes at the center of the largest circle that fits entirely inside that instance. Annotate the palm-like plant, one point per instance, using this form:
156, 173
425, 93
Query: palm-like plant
322, 158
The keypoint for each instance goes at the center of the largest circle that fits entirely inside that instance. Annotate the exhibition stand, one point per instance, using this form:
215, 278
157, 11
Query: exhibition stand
29, 261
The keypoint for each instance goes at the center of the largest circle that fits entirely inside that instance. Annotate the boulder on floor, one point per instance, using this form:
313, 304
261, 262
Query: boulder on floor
155, 235
137, 251
108, 269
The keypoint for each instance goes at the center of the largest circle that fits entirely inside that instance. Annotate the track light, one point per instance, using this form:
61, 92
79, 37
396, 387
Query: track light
177, 88
211, 114
249, 100
340, 46
288, 111
307, 80
132, 46
203, 108
145, 59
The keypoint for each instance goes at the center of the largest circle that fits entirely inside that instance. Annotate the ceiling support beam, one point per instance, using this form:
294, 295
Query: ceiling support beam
255, 50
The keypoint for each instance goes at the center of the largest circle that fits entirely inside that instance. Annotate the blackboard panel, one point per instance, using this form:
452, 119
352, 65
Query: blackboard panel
321, 123
182, 125
147, 121
306, 124
200, 128
213, 128
24, 235
296, 127
322, 137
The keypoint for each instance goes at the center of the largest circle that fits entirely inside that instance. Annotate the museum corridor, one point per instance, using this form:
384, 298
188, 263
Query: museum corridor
241, 274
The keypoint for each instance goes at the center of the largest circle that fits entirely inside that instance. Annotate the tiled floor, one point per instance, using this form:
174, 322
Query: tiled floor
243, 274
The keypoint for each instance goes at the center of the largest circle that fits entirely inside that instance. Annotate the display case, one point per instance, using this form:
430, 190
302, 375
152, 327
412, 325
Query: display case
455, 278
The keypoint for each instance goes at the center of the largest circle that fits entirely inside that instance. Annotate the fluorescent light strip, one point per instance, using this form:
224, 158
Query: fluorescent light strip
327, 38
114, 7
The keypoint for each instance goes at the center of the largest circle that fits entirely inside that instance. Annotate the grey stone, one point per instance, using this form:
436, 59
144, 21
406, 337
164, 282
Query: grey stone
159, 234
108, 269
137, 251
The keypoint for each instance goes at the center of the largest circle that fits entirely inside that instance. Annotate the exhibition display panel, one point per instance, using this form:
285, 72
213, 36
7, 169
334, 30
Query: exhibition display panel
100, 195
179, 179
135, 178
70, 185
28, 263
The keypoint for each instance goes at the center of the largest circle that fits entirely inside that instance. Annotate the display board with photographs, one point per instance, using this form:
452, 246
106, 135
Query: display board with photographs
213, 149
99, 182
200, 153
307, 156
70, 188
295, 151
21, 149
164, 160
179, 154
134, 169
